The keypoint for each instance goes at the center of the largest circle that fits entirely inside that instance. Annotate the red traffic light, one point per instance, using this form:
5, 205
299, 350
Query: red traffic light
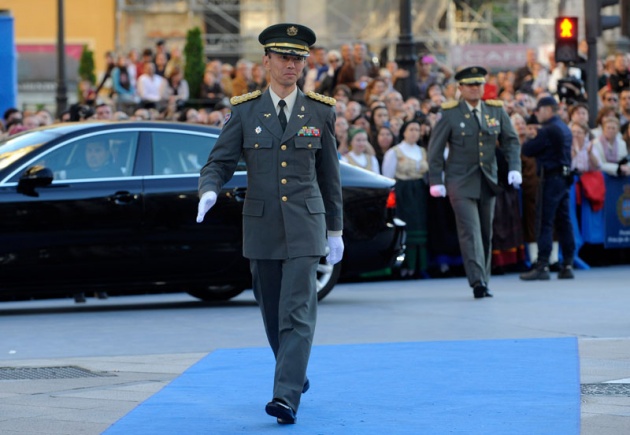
566, 39
566, 28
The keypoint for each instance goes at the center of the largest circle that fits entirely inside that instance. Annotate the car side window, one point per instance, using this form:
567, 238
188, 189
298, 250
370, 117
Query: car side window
180, 153
109, 155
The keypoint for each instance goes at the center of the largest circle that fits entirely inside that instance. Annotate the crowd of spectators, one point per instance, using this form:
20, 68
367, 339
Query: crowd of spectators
371, 110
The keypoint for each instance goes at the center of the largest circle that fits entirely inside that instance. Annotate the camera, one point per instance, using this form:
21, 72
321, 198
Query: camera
420, 116
570, 90
80, 112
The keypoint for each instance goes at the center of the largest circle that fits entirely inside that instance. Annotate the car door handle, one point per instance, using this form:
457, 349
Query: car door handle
122, 198
238, 194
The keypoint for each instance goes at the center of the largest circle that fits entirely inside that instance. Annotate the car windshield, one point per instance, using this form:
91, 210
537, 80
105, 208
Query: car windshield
14, 147
17, 146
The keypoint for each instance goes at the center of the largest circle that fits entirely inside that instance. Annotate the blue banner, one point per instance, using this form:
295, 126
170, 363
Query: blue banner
8, 63
617, 210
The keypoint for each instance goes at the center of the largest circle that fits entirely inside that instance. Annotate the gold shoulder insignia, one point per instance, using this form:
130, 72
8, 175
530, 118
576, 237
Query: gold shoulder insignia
245, 97
450, 104
495, 103
321, 98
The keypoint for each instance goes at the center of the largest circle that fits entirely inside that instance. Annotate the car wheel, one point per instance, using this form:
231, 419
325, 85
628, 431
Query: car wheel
327, 276
215, 293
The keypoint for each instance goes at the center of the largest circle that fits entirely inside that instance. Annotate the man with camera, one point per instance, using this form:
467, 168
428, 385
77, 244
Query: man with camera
551, 145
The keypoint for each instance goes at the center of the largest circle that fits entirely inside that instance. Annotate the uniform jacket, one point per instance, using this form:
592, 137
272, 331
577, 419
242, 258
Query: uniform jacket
294, 188
471, 156
551, 146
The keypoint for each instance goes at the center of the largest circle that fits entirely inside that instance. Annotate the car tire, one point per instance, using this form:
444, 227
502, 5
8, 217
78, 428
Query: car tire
327, 277
215, 293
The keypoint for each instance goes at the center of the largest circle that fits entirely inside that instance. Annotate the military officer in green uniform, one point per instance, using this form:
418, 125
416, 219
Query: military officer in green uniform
293, 209
462, 165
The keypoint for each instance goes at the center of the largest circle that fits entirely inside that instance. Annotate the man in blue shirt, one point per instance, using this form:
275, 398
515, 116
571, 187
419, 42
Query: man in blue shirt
551, 145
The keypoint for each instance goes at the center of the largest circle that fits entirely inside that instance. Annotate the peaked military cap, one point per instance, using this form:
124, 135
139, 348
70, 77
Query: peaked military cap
472, 75
286, 38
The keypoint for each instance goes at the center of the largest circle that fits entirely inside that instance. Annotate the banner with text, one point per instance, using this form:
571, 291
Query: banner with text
491, 56
617, 212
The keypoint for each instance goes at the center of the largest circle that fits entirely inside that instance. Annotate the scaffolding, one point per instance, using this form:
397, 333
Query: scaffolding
231, 27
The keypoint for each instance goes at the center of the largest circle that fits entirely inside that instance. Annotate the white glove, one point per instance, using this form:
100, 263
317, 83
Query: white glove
206, 202
438, 190
335, 249
515, 179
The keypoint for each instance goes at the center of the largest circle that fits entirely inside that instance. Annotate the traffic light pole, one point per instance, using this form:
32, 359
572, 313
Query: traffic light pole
595, 24
593, 31
592, 80
405, 52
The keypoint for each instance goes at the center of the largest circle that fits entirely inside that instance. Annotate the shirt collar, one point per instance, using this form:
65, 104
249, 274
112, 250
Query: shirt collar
470, 107
289, 99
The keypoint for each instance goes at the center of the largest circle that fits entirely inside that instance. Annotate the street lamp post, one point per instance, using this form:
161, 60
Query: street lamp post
61, 98
405, 52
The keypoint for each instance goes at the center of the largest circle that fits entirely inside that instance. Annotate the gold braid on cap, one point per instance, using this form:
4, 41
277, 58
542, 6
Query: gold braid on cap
321, 98
286, 45
472, 80
245, 97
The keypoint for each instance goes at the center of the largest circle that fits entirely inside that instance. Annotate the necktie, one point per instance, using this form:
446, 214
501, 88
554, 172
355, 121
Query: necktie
281, 115
474, 113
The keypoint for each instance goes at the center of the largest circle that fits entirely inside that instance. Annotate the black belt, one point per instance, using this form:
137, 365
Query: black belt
564, 171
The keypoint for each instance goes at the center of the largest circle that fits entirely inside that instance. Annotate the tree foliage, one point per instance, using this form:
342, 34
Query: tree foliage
195, 61
86, 65
505, 20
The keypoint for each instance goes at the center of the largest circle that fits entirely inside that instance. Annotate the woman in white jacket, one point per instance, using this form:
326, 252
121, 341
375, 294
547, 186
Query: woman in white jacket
611, 149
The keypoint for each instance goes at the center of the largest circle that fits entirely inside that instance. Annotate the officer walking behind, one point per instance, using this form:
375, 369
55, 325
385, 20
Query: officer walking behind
293, 208
468, 172
551, 146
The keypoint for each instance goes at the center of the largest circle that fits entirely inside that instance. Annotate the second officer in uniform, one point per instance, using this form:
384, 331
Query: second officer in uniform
467, 172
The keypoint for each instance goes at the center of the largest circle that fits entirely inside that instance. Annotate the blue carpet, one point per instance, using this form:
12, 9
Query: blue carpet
460, 387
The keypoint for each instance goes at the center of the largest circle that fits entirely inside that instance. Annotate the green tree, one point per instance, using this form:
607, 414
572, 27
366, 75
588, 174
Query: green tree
86, 65
86, 73
195, 61
505, 20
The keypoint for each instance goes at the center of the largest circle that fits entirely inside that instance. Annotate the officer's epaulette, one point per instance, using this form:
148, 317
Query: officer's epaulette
495, 103
321, 98
449, 104
245, 97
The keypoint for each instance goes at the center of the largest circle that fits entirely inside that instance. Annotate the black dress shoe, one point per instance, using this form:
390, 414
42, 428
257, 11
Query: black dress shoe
540, 271
566, 272
79, 298
481, 291
306, 386
283, 412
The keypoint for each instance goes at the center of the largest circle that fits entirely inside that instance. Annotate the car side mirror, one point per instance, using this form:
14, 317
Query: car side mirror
34, 177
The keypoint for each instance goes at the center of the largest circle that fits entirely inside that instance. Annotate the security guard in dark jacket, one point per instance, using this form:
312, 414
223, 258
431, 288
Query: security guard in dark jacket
472, 128
293, 208
552, 148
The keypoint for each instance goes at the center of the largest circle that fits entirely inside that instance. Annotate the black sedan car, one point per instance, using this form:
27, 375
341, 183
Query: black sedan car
67, 225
